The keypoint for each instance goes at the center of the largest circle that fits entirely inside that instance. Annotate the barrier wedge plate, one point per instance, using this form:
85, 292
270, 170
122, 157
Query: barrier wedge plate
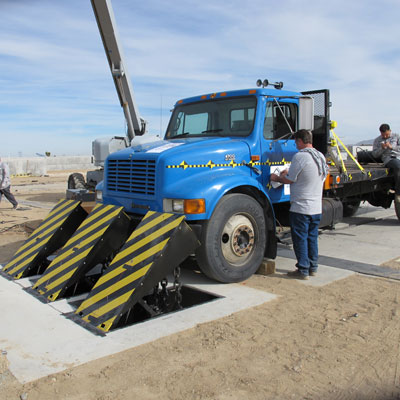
102, 233
49, 236
159, 243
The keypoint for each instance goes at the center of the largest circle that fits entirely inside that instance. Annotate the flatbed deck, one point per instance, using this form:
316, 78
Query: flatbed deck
359, 183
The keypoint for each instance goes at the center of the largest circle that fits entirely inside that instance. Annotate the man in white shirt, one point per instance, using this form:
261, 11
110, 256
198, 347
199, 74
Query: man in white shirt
5, 184
305, 176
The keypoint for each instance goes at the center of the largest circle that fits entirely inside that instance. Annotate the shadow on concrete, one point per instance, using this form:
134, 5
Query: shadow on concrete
356, 266
386, 222
8, 250
357, 220
47, 197
337, 233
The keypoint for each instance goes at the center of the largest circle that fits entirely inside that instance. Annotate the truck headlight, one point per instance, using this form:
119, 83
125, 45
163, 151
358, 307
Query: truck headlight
177, 206
99, 196
184, 206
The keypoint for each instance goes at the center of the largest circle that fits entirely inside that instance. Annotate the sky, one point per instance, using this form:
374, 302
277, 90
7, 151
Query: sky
57, 94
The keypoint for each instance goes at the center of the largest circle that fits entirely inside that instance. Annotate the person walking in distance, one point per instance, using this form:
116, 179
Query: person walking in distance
305, 176
5, 184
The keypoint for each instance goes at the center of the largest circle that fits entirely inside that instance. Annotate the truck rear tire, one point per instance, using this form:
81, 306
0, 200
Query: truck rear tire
233, 241
76, 181
350, 208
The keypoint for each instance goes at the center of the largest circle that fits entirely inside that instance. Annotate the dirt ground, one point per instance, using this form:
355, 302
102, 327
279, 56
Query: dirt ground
339, 341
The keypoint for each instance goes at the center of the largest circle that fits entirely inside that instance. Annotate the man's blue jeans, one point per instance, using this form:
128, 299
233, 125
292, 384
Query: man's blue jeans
304, 231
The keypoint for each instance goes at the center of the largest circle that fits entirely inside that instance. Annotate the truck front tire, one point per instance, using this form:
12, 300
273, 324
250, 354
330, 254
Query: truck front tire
233, 241
76, 181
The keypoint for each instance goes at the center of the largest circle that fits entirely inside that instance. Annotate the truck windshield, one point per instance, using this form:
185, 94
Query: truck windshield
222, 117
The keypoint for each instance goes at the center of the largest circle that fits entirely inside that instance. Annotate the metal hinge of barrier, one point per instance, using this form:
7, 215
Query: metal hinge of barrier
100, 235
159, 243
49, 236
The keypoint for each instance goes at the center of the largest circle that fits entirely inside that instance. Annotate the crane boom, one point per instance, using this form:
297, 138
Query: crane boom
109, 35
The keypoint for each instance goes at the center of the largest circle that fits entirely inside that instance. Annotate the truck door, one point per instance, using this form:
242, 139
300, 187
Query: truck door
277, 143
321, 131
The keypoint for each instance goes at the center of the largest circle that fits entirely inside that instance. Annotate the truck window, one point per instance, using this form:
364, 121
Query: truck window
219, 117
275, 125
242, 119
194, 123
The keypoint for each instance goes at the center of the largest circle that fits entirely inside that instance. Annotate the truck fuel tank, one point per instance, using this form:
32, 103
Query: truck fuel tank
332, 212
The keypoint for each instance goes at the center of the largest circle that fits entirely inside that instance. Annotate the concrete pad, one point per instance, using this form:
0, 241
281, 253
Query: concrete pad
40, 341
362, 246
373, 243
374, 212
325, 274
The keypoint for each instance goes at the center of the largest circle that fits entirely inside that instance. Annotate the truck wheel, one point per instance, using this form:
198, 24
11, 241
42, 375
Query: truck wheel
397, 205
76, 181
233, 240
350, 208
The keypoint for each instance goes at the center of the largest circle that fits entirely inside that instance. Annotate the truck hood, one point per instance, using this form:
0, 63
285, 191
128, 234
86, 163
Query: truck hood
141, 177
192, 151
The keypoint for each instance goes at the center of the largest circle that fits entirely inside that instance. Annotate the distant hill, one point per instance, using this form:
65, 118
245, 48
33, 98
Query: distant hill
367, 142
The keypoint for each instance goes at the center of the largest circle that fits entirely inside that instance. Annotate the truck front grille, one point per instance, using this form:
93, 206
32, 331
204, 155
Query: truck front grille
132, 176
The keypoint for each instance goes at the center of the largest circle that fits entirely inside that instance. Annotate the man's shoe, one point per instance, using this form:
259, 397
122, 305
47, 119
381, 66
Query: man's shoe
298, 275
313, 273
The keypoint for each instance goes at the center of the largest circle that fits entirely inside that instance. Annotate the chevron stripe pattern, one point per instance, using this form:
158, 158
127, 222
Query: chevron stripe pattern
68, 265
110, 296
35, 245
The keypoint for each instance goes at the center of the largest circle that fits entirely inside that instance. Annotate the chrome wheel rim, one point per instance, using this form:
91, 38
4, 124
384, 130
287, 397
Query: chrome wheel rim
237, 239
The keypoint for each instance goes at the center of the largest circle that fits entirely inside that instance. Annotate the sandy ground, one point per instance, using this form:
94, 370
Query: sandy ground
339, 341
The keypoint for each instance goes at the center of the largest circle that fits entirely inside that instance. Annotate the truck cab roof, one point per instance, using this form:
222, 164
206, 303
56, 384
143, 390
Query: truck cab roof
242, 92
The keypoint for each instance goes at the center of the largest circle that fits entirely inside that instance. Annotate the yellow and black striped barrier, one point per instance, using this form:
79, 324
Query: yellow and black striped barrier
49, 236
100, 235
159, 243
133, 263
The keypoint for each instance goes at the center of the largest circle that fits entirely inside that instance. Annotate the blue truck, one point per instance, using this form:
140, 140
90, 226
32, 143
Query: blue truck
214, 166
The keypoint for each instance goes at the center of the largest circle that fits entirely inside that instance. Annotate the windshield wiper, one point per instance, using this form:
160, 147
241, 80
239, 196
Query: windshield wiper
212, 130
180, 135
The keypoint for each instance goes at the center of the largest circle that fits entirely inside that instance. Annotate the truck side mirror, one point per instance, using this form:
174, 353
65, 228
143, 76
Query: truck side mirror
306, 113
